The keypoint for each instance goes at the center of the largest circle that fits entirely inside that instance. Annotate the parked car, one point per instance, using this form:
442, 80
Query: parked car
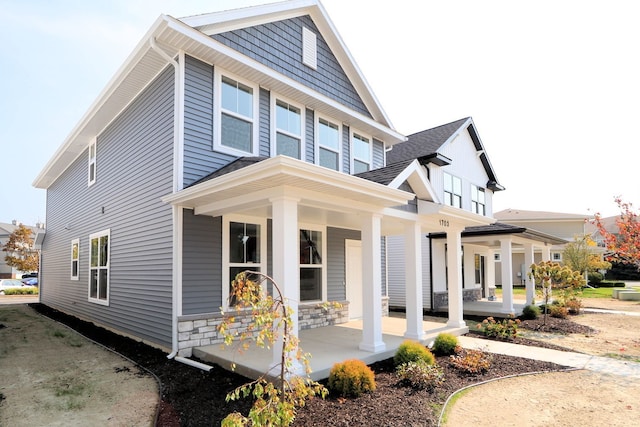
28, 275
12, 284
31, 281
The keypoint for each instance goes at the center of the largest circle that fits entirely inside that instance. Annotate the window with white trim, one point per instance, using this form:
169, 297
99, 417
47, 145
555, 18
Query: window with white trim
311, 265
328, 144
361, 153
237, 118
556, 256
91, 175
99, 267
75, 259
497, 257
478, 204
288, 130
452, 191
244, 248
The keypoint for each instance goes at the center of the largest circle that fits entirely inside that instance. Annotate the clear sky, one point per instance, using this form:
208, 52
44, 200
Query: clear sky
553, 86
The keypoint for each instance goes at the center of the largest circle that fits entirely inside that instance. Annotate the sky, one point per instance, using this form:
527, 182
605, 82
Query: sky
553, 86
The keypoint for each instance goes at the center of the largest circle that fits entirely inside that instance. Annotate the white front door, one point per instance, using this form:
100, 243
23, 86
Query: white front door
353, 261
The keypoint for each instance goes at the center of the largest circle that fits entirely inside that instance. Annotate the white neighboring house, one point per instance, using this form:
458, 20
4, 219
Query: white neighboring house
6, 229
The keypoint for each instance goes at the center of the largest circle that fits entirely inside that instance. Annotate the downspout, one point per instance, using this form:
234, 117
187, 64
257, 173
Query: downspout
176, 302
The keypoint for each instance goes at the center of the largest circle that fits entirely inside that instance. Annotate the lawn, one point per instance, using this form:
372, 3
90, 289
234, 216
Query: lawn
586, 292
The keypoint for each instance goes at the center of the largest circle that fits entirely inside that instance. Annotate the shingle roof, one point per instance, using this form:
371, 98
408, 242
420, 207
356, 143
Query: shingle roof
423, 143
237, 164
385, 174
498, 228
524, 215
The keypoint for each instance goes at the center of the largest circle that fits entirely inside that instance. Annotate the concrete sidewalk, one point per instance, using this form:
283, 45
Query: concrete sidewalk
605, 365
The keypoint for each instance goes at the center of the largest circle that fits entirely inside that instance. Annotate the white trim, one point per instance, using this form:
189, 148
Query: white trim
352, 133
98, 300
217, 123
274, 125
92, 162
179, 124
262, 265
322, 229
317, 146
77, 260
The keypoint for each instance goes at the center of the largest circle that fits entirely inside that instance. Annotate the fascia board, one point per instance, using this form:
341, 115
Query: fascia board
417, 177
461, 216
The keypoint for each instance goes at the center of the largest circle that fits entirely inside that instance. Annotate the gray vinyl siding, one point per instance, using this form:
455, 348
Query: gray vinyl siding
265, 123
134, 170
336, 273
310, 152
346, 150
396, 272
201, 263
412, 205
378, 154
278, 45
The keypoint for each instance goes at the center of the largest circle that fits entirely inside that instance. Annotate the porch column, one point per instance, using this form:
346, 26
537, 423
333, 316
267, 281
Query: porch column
286, 257
371, 285
413, 281
454, 278
490, 266
528, 283
546, 253
507, 275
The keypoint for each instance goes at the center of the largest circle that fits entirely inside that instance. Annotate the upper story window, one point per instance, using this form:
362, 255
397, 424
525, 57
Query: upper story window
452, 191
99, 267
288, 130
92, 163
478, 204
237, 130
75, 259
328, 144
361, 153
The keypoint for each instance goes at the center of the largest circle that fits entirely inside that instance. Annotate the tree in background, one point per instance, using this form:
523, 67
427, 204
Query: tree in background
20, 250
624, 245
580, 255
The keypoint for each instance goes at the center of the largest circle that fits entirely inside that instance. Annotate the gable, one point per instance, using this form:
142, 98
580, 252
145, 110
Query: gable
466, 160
279, 46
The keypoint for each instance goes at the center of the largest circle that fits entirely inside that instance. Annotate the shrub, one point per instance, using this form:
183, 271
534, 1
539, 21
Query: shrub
573, 305
559, 311
412, 351
471, 361
506, 329
445, 344
419, 375
351, 378
595, 278
530, 312
27, 290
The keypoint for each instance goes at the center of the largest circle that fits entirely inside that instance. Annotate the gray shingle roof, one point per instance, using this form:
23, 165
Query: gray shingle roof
237, 164
385, 174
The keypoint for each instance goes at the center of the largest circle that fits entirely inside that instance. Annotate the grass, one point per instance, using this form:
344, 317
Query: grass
451, 403
586, 292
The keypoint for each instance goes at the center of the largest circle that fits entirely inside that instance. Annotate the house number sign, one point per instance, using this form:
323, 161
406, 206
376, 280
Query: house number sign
444, 222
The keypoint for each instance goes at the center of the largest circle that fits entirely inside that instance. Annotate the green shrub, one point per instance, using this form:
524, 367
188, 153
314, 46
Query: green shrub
595, 278
412, 351
610, 284
351, 378
419, 375
530, 312
506, 329
559, 311
445, 344
471, 361
27, 290
573, 305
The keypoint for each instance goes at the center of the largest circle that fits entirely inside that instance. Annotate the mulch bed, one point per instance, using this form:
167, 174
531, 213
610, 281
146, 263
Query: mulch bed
191, 397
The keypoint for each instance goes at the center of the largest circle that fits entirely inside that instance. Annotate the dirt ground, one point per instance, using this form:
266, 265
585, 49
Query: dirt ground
67, 380
568, 398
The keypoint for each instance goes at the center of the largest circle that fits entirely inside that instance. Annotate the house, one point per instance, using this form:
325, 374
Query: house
458, 168
245, 139
6, 230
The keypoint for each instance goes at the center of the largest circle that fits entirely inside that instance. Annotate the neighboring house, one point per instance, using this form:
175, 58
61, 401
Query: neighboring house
230, 141
461, 175
6, 271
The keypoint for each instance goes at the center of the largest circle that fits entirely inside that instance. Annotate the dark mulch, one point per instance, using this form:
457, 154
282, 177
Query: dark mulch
191, 397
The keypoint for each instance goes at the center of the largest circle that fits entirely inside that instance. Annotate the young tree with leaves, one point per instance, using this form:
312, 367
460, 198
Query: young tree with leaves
552, 275
20, 250
580, 255
624, 246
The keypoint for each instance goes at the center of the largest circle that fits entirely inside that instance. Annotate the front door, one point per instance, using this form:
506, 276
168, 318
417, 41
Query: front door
353, 267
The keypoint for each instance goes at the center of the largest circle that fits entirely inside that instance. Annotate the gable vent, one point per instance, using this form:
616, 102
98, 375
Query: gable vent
309, 48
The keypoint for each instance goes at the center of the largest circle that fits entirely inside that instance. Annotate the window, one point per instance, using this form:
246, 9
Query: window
75, 258
288, 130
99, 267
238, 107
556, 256
452, 190
496, 257
311, 265
478, 201
328, 143
244, 248
92, 163
361, 149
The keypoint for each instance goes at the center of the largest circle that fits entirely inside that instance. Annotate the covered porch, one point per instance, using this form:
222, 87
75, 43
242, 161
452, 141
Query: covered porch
327, 345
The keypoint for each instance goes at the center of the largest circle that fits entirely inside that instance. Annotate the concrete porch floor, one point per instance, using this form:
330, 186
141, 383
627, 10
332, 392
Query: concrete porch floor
326, 345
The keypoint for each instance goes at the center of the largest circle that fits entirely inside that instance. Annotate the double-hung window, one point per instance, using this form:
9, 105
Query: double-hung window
288, 130
75, 259
311, 265
361, 153
237, 119
91, 178
328, 143
452, 191
99, 267
478, 204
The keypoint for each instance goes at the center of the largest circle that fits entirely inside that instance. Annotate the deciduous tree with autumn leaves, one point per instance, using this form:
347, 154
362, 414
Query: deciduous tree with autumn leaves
624, 246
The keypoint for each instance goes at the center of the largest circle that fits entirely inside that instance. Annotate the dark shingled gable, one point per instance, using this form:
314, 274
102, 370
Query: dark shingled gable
385, 174
237, 164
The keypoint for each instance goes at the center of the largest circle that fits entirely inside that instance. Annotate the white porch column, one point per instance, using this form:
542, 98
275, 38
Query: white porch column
507, 275
546, 253
413, 281
371, 285
286, 257
528, 283
490, 270
454, 278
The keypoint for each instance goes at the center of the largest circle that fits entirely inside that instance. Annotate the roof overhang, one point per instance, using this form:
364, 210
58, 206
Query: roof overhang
175, 36
454, 215
417, 178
